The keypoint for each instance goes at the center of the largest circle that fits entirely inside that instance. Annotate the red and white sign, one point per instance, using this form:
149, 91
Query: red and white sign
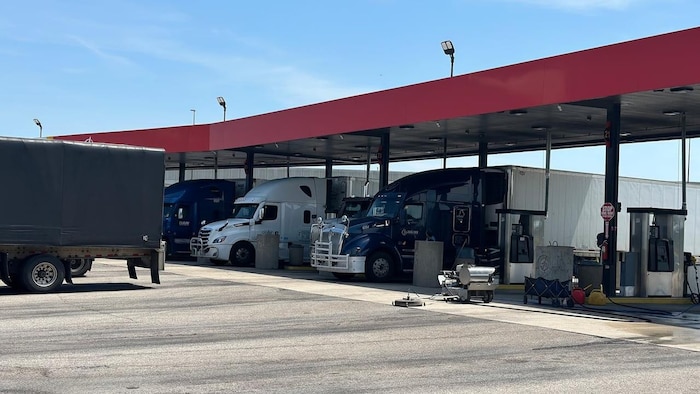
607, 211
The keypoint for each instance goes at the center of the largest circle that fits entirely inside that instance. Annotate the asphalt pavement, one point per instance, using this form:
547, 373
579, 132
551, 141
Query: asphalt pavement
209, 329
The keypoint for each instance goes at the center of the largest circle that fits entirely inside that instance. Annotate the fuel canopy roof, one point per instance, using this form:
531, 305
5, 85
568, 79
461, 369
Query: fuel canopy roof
510, 108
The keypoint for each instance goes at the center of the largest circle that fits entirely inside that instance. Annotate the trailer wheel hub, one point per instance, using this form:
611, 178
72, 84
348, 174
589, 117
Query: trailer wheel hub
44, 274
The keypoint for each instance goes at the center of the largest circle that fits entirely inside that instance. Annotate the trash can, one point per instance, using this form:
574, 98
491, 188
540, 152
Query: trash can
296, 254
427, 263
267, 251
589, 273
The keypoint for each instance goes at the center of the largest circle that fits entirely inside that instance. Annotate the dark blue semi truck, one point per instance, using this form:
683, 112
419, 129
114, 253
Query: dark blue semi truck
456, 206
188, 205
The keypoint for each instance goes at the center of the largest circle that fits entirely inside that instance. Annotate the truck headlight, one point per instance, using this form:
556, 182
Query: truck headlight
219, 240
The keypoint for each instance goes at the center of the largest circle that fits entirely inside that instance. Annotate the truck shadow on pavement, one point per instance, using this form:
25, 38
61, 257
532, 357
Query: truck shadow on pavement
80, 288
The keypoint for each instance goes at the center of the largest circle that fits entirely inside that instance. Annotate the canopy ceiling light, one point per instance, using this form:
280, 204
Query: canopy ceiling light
518, 112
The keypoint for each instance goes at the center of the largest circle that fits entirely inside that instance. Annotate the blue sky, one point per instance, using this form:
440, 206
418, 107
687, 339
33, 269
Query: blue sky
109, 65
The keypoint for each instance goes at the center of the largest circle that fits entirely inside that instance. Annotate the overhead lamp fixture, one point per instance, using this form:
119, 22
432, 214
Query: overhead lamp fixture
540, 127
297, 154
625, 134
259, 146
681, 89
437, 123
222, 103
510, 143
672, 112
277, 145
434, 139
449, 50
518, 112
559, 107
360, 147
355, 157
406, 126
41, 128
341, 136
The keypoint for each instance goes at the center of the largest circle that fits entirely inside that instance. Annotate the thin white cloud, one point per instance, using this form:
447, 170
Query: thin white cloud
292, 86
95, 49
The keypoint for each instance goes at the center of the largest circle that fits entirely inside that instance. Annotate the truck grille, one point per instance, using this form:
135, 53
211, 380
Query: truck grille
204, 235
327, 241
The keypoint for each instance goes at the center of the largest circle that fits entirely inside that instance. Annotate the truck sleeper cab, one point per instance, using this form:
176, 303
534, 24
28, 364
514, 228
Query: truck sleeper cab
455, 206
188, 205
286, 207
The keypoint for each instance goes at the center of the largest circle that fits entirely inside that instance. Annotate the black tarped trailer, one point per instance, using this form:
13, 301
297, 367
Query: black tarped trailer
66, 200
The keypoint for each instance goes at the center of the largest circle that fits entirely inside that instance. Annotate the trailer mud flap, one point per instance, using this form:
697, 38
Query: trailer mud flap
156, 266
131, 266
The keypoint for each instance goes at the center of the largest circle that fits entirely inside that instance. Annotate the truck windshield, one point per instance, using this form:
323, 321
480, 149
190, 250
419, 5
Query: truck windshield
244, 211
386, 205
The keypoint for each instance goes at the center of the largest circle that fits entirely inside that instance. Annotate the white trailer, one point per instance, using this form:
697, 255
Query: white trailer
573, 212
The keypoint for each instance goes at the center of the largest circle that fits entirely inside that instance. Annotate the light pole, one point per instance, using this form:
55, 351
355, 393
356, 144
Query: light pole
222, 103
41, 129
193, 113
449, 49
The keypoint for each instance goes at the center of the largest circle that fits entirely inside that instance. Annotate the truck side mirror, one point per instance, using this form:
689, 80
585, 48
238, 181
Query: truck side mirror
261, 214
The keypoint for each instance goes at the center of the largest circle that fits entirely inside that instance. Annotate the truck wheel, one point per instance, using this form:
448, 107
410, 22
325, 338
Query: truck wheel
242, 253
488, 297
379, 267
42, 273
79, 267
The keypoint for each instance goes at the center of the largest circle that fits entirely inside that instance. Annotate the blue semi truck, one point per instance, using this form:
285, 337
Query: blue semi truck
456, 206
188, 205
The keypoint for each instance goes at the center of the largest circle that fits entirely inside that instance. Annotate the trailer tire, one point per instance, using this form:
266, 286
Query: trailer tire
379, 267
242, 254
79, 267
42, 273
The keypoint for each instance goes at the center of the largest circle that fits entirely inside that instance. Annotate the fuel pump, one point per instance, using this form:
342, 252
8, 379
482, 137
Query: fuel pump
656, 247
519, 232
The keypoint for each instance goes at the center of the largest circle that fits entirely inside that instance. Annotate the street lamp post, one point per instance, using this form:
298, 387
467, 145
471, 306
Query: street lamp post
449, 49
41, 129
222, 103
193, 113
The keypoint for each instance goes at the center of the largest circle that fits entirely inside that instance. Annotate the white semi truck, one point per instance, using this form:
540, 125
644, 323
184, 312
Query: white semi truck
286, 207
67, 203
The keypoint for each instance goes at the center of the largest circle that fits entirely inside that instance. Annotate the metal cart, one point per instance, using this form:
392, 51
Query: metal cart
556, 290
